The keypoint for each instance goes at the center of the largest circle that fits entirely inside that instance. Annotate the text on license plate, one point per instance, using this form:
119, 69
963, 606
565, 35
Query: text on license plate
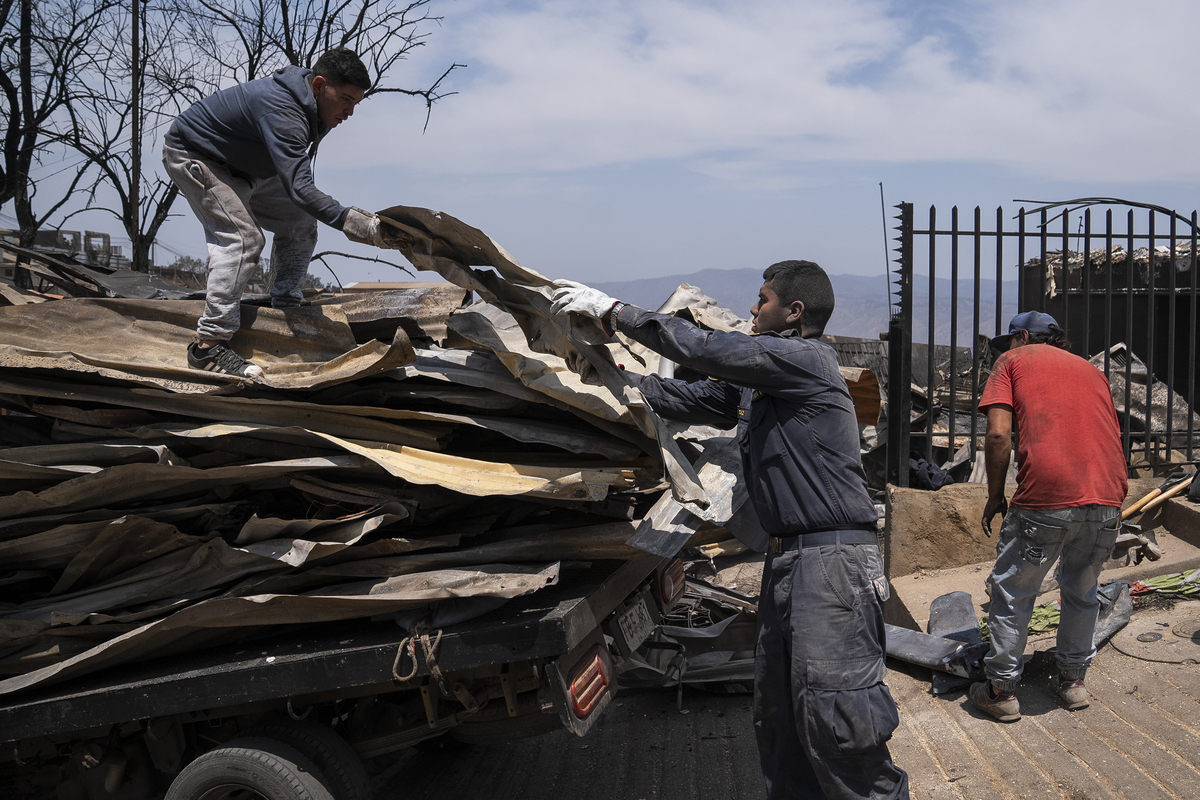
636, 624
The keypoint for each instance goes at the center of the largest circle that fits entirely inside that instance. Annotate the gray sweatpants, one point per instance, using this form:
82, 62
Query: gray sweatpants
234, 211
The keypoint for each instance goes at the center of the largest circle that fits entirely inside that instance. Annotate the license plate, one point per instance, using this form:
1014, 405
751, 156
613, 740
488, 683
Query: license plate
636, 624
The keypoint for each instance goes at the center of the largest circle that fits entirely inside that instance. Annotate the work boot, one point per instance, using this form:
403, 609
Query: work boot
1003, 705
219, 358
1073, 694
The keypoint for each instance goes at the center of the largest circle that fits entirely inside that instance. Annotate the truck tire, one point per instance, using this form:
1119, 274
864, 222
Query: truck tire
343, 770
257, 767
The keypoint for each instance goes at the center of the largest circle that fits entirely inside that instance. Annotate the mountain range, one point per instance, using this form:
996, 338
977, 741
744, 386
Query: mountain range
861, 307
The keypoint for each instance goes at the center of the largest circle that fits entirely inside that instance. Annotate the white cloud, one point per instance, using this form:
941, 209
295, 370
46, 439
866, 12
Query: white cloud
1057, 89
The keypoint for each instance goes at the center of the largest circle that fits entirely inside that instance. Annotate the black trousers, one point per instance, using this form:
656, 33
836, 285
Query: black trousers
822, 713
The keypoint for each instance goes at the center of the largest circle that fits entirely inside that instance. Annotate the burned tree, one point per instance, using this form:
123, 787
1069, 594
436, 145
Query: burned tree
247, 39
131, 91
45, 49
199, 48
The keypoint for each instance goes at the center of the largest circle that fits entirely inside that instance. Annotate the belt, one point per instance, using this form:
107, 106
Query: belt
782, 544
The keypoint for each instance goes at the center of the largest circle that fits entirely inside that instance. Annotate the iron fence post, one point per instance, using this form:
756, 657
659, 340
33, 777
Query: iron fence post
900, 353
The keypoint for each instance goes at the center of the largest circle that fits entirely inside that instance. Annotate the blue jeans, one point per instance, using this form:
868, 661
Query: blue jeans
1030, 542
822, 713
234, 211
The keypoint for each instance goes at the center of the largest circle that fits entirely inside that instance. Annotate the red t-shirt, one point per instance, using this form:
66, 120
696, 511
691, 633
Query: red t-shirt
1069, 438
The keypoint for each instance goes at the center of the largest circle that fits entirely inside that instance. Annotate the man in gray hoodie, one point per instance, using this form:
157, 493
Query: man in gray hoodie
243, 159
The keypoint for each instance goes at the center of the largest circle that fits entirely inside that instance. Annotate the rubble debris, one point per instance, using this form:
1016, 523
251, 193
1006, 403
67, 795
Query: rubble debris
952, 616
1115, 610
707, 641
78, 280
1146, 412
402, 454
424, 453
1168, 634
1141, 266
935, 652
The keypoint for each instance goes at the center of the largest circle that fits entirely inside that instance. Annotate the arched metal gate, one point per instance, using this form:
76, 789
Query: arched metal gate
1122, 283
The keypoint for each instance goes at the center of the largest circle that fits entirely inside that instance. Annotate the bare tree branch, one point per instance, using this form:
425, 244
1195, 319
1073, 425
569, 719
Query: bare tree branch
321, 257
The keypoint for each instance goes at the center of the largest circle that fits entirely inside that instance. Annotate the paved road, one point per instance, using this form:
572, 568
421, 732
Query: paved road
643, 748
1139, 740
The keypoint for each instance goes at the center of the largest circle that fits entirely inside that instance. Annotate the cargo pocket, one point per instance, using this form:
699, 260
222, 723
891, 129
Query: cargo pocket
872, 566
1036, 535
849, 708
1106, 540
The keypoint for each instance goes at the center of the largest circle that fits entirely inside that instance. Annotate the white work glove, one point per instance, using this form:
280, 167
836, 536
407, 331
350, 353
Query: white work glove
363, 228
572, 297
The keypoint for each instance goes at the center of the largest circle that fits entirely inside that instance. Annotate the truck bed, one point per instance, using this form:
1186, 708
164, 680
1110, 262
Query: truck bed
322, 662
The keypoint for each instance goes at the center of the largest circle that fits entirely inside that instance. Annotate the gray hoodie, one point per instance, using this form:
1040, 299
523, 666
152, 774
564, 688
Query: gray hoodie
263, 128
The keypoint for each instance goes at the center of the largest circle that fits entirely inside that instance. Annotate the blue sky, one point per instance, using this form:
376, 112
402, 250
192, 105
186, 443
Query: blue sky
616, 139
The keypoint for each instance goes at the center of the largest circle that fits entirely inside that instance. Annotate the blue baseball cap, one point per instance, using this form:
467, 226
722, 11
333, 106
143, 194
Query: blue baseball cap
1032, 321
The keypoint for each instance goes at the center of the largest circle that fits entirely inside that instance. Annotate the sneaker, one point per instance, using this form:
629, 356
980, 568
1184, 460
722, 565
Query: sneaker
1001, 705
1073, 694
219, 358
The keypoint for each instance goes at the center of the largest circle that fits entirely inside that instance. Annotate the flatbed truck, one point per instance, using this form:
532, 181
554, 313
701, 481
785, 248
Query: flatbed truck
299, 712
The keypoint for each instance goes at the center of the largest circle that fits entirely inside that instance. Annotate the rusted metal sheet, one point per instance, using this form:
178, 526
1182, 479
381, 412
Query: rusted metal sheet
189, 625
435, 241
145, 341
148, 509
421, 311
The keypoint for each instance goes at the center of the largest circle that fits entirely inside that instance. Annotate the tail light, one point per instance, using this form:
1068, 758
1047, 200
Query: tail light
671, 583
589, 683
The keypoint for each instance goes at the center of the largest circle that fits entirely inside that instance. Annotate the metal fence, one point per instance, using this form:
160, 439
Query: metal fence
1123, 285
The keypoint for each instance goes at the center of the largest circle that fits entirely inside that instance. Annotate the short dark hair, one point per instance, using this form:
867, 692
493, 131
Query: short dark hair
807, 282
340, 66
1056, 337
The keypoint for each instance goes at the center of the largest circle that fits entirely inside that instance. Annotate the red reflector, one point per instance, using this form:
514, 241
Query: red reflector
589, 683
672, 582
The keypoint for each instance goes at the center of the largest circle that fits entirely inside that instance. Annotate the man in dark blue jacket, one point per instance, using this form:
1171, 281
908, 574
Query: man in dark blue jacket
242, 158
822, 713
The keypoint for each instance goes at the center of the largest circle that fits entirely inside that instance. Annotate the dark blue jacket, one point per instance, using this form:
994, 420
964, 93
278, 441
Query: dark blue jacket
796, 423
263, 128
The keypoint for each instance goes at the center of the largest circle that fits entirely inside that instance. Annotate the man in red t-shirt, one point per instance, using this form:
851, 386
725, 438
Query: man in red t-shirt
1071, 481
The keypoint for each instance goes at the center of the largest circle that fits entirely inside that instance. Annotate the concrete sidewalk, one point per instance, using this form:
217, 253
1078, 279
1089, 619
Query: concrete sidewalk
1140, 738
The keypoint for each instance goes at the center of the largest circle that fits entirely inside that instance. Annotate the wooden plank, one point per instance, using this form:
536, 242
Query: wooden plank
18, 298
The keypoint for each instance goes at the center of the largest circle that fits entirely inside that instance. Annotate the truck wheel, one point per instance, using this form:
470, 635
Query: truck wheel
342, 768
250, 767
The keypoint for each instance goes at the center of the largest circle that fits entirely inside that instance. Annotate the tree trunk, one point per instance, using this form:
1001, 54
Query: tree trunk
26, 220
137, 242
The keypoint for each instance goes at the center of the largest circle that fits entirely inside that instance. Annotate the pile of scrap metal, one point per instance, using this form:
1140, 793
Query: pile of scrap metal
706, 641
70, 278
404, 452
954, 647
